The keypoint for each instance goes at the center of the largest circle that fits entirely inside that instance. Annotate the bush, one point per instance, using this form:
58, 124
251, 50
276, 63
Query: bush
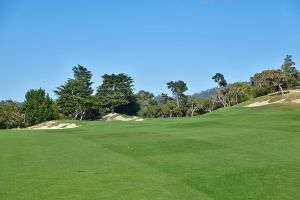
38, 107
260, 91
10, 115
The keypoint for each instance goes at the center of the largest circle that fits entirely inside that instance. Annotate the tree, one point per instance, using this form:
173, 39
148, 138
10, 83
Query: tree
272, 80
154, 110
298, 77
261, 84
145, 98
196, 105
169, 108
178, 88
163, 98
10, 115
177, 112
132, 108
239, 92
278, 79
221, 95
219, 78
82, 73
38, 107
75, 96
289, 69
72, 100
116, 90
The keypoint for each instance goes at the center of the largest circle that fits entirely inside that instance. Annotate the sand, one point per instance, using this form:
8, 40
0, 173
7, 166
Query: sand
52, 125
263, 103
118, 117
296, 101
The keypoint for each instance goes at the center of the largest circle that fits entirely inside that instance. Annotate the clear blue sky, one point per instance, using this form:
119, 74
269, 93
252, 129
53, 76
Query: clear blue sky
154, 41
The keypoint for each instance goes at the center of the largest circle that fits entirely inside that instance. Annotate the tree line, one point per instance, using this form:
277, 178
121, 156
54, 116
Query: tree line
77, 100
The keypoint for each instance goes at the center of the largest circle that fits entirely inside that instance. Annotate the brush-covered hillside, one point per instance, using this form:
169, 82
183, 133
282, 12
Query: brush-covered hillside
233, 153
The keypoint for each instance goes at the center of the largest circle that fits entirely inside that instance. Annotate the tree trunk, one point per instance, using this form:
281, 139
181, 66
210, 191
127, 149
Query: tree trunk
177, 101
221, 98
112, 108
193, 110
280, 89
82, 115
171, 113
76, 115
222, 102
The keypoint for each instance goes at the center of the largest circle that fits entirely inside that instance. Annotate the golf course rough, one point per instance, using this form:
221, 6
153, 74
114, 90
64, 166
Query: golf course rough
234, 153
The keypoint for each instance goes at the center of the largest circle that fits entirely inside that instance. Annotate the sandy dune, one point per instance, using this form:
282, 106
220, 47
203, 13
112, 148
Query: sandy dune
53, 125
118, 117
263, 103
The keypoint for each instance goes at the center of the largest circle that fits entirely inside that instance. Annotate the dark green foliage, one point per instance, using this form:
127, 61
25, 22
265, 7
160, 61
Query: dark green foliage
229, 94
153, 111
289, 69
38, 107
239, 92
221, 96
170, 109
72, 100
197, 106
178, 88
75, 96
116, 90
82, 73
132, 108
11, 115
145, 99
270, 80
167, 107
219, 78
163, 98
259, 91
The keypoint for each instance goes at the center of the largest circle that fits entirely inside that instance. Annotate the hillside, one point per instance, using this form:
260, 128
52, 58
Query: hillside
232, 153
205, 94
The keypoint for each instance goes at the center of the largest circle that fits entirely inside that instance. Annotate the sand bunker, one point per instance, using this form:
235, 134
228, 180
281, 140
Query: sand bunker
109, 116
294, 91
118, 117
296, 101
263, 103
53, 125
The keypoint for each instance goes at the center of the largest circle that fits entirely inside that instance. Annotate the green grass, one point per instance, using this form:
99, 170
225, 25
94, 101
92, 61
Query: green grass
235, 153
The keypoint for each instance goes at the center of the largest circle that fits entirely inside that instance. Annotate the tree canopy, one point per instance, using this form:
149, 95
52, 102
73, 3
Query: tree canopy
11, 115
116, 90
38, 107
220, 80
75, 96
178, 88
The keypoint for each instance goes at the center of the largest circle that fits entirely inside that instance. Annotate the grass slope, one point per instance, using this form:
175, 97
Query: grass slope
235, 153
